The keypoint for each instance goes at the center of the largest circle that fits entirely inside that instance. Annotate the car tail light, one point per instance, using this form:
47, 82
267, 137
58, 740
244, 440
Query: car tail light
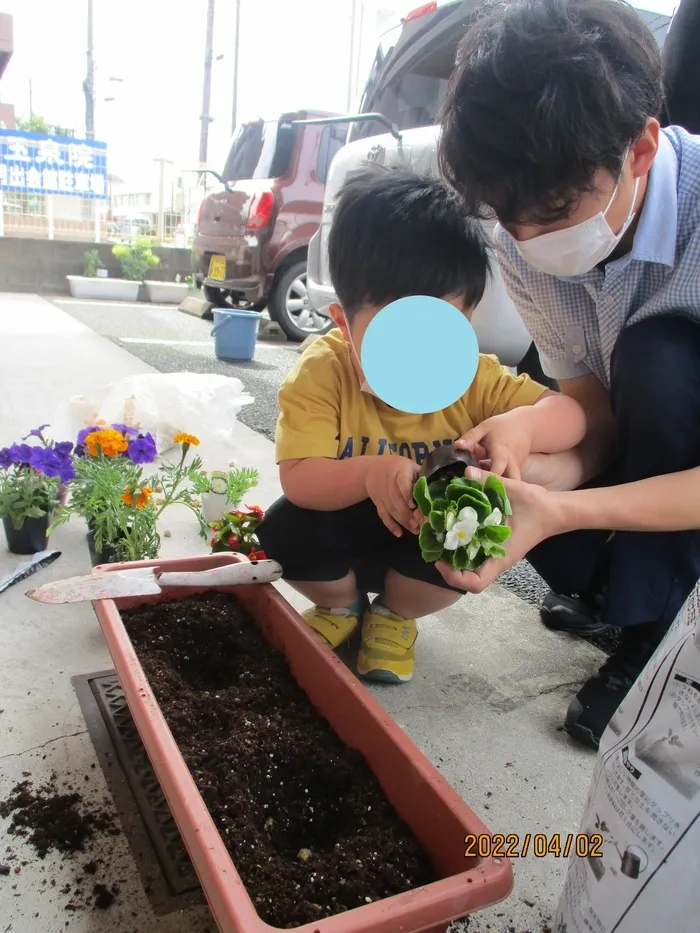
261, 210
421, 11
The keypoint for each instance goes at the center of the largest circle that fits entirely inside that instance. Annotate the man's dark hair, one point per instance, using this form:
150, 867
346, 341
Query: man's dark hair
544, 94
395, 233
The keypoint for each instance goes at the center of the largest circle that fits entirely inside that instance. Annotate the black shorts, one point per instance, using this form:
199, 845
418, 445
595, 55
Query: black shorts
316, 546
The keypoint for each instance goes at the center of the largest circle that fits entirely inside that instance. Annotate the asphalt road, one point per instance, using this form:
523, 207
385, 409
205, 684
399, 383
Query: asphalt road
171, 342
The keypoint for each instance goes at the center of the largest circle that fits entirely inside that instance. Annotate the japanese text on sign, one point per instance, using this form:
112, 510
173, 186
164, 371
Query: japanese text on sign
34, 163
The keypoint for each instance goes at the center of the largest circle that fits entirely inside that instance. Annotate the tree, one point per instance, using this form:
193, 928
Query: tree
38, 124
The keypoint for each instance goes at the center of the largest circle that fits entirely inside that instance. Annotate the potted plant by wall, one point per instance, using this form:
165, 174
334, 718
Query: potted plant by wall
302, 804
169, 292
135, 259
32, 483
235, 532
94, 267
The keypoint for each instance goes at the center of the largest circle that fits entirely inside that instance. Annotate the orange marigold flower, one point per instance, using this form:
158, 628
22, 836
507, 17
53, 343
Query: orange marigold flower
184, 438
109, 442
144, 497
137, 497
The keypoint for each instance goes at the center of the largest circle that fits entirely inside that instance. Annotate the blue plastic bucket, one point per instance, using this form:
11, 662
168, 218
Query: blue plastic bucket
235, 333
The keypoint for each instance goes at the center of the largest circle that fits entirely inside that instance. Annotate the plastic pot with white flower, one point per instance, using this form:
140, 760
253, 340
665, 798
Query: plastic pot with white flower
466, 520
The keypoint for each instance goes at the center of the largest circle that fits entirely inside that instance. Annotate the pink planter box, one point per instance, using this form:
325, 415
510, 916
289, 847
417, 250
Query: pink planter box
436, 814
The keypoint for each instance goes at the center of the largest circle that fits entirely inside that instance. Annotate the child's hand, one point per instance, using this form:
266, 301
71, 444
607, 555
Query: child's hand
390, 482
506, 440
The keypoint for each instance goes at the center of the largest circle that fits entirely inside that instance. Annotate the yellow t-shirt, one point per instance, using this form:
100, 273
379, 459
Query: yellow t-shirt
323, 413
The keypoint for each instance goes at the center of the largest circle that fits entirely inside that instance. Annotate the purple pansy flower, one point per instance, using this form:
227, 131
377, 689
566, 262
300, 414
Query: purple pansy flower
46, 461
37, 432
142, 449
66, 471
84, 433
21, 453
125, 429
6, 460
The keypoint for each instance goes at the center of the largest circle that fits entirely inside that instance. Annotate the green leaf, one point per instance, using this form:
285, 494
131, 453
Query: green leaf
440, 505
431, 557
495, 486
437, 521
437, 489
493, 550
422, 497
496, 533
428, 539
460, 559
481, 506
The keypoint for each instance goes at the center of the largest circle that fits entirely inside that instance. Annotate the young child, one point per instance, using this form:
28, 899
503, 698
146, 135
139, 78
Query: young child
346, 525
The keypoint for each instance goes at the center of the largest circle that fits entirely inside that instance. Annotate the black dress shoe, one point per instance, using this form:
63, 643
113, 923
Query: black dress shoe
580, 616
597, 701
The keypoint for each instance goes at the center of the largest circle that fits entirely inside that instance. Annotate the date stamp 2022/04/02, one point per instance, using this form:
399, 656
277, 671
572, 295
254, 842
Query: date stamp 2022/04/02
560, 845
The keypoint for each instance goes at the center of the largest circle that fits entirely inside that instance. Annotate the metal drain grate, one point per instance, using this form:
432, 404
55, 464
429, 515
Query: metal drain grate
153, 808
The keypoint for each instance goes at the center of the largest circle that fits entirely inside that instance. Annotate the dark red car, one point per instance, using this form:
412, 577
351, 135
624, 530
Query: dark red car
251, 240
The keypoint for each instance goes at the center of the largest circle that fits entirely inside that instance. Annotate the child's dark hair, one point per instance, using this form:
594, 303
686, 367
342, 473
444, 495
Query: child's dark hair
395, 234
544, 94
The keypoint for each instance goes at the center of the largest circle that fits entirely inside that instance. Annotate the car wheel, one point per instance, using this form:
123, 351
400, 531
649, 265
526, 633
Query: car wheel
290, 307
531, 365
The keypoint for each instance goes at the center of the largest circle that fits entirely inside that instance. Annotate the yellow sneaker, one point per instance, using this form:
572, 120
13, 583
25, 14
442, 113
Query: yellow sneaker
333, 625
388, 652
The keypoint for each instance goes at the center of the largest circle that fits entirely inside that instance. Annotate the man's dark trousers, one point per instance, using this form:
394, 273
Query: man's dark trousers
655, 397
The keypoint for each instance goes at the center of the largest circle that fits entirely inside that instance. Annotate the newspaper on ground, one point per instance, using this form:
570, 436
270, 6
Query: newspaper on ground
641, 870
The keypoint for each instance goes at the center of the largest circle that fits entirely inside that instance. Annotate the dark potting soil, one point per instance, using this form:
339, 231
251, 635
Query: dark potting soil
303, 817
52, 818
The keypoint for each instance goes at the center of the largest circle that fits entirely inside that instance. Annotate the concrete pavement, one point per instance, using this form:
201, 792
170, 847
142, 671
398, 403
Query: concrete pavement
486, 704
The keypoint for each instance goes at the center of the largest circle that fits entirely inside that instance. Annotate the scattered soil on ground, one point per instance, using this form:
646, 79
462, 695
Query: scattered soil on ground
303, 817
50, 818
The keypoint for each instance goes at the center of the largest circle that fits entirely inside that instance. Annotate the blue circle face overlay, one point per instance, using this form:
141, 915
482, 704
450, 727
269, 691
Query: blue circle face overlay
419, 354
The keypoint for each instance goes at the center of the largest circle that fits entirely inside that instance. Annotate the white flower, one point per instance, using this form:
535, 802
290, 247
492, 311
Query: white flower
495, 518
463, 530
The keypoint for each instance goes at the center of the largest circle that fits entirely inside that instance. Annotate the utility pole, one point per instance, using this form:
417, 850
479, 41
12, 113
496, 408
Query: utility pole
353, 17
234, 114
161, 197
89, 83
206, 94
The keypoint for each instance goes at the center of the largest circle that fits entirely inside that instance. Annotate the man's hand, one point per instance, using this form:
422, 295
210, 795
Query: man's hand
505, 439
536, 516
390, 482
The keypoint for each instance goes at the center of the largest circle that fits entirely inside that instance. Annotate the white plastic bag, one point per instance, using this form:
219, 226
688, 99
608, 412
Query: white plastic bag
206, 405
640, 873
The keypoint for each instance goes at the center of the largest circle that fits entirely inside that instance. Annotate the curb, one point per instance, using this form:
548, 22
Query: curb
197, 307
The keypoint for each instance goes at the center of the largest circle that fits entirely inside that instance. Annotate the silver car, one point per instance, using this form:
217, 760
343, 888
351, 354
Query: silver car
496, 322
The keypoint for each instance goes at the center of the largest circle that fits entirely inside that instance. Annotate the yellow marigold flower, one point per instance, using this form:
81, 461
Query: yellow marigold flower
108, 441
184, 438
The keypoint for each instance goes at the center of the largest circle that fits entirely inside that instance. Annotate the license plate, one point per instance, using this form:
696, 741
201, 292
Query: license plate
217, 268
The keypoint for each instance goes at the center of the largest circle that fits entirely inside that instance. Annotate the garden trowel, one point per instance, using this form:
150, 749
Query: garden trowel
149, 581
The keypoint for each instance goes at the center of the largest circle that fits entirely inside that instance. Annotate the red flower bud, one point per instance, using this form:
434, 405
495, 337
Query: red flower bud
234, 541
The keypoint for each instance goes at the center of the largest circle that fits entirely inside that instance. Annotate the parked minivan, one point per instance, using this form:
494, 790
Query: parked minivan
251, 239
406, 86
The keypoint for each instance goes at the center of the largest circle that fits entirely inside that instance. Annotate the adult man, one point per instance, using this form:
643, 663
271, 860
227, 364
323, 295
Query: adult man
551, 120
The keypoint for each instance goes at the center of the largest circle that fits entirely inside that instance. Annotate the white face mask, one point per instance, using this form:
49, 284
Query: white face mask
576, 249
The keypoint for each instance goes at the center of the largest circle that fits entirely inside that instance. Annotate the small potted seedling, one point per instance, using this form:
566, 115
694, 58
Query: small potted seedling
466, 519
